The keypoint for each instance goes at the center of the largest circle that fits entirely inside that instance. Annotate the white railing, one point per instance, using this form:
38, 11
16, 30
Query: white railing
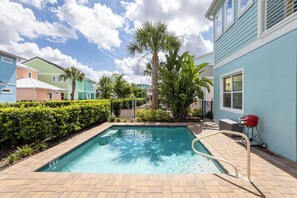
277, 10
248, 147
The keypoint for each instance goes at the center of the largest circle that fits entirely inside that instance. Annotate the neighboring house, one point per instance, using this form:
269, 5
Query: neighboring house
144, 86
8, 76
50, 73
149, 92
207, 102
29, 88
255, 61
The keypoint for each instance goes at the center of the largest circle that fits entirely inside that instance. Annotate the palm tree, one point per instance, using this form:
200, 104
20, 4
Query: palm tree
74, 74
153, 38
105, 87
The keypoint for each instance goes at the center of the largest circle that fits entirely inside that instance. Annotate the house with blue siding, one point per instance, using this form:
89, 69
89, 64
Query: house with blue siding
8, 76
255, 67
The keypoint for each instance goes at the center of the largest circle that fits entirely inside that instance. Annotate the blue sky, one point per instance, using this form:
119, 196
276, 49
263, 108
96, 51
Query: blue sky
93, 35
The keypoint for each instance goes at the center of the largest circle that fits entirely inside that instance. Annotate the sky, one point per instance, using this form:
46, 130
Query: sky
93, 35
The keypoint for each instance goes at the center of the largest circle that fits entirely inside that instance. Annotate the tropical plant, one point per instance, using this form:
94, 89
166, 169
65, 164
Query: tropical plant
181, 82
74, 74
104, 87
138, 92
153, 38
121, 87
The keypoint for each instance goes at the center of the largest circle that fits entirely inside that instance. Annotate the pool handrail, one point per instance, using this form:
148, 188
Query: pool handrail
248, 145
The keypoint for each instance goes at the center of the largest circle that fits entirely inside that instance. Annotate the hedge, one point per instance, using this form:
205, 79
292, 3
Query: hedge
153, 115
27, 125
52, 104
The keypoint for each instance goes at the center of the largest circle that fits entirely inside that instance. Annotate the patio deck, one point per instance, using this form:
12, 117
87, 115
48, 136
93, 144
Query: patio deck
272, 176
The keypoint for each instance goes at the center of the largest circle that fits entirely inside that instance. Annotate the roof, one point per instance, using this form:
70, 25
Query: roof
20, 65
53, 64
35, 84
11, 55
214, 6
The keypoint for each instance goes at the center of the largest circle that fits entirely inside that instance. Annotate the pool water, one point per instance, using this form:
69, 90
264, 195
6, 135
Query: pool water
136, 150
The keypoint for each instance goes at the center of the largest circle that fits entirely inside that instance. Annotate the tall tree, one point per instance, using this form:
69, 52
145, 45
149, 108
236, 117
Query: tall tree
121, 87
181, 82
104, 87
75, 75
153, 38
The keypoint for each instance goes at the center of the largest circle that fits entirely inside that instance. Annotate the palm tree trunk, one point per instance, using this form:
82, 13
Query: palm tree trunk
155, 70
73, 89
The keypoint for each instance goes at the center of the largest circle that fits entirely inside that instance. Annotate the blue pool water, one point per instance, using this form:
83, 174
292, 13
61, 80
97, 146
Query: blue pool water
136, 150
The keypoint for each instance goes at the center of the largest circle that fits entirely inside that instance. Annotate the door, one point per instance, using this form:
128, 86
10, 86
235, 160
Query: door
62, 96
51, 96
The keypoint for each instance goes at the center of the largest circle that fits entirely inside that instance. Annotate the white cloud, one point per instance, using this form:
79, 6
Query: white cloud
133, 68
184, 17
98, 24
39, 3
29, 50
18, 22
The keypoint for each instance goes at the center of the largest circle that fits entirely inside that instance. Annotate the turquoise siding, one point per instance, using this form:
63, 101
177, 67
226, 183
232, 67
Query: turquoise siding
269, 92
8, 77
239, 35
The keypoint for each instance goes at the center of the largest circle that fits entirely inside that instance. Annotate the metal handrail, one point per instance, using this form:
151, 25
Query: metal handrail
248, 145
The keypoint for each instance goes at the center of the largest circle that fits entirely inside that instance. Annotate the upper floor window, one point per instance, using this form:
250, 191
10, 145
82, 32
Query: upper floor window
229, 13
232, 92
244, 5
276, 11
218, 24
30, 74
7, 60
54, 79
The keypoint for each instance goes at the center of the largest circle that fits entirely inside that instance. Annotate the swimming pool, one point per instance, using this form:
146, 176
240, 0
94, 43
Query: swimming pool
137, 150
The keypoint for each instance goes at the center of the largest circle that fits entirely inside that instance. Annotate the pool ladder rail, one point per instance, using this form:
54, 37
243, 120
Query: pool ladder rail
248, 149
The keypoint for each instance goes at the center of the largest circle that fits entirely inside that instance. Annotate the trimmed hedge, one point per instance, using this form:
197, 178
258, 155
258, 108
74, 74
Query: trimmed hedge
52, 104
27, 125
154, 115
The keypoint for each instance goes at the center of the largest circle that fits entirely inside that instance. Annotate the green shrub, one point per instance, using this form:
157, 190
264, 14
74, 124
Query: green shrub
34, 124
196, 112
24, 151
12, 158
118, 120
116, 107
41, 146
153, 115
111, 119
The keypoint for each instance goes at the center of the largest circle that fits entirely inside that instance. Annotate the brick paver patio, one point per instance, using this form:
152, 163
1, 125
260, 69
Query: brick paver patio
272, 176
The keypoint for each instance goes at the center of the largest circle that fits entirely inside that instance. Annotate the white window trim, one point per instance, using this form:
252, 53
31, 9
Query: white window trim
232, 73
218, 36
7, 60
240, 13
225, 23
10, 91
53, 79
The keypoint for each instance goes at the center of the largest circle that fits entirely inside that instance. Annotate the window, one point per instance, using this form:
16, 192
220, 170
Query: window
7, 60
54, 78
229, 13
232, 92
6, 90
244, 5
218, 24
57, 93
30, 74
